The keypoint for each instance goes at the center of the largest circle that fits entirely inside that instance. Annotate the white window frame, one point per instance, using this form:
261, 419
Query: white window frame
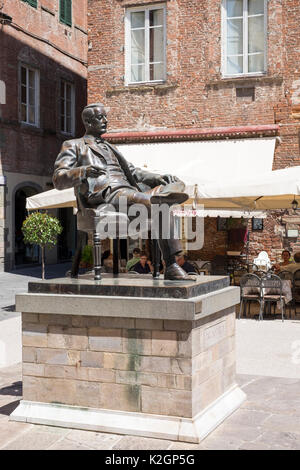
66, 82
245, 41
146, 9
36, 95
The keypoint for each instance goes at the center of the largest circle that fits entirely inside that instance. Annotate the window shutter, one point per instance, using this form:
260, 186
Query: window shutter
66, 12
33, 3
62, 13
68, 4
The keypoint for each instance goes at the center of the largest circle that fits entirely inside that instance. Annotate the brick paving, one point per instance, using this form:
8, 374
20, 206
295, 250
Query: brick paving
269, 419
15, 282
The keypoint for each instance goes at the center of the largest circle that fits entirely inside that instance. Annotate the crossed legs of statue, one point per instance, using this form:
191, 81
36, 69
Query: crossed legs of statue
170, 246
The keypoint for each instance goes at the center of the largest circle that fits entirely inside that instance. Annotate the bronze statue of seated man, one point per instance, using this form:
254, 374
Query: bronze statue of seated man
101, 175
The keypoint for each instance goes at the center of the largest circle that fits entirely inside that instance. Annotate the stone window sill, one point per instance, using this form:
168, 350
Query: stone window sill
246, 81
158, 88
30, 127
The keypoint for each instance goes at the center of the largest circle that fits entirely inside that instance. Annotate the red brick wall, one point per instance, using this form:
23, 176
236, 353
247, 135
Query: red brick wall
28, 149
196, 95
215, 242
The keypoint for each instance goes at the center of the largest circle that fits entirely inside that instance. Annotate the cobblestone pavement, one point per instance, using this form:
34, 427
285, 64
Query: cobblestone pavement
15, 282
269, 419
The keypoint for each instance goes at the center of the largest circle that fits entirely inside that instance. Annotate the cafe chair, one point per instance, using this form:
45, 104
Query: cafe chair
252, 268
205, 267
263, 261
250, 285
286, 276
238, 274
271, 286
296, 289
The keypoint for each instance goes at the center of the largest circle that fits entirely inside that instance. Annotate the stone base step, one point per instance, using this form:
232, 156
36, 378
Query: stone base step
137, 424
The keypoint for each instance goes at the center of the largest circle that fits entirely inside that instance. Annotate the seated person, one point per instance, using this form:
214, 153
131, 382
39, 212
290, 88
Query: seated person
285, 255
135, 259
292, 267
181, 260
143, 266
107, 262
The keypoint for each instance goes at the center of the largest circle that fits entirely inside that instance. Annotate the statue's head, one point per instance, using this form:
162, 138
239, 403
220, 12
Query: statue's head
94, 118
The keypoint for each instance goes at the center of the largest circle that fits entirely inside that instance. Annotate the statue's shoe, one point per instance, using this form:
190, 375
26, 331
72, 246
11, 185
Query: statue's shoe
169, 198
175, 273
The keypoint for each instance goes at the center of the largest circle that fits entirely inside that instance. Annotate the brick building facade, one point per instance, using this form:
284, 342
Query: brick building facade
43, 71
221, 69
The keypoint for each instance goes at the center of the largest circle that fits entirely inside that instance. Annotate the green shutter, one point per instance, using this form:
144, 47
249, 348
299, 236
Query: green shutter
33, 3
65, 15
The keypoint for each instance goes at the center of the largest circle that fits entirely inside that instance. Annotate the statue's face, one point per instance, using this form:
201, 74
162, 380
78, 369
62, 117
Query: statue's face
98, 123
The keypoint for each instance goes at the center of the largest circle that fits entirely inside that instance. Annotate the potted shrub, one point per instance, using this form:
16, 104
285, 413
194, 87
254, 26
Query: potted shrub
40, 228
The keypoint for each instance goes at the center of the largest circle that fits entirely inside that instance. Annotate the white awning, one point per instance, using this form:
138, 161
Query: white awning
236, 214
203, 161
52, 199
272, 190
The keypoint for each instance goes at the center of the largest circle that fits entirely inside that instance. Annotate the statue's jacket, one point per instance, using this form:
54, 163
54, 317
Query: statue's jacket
77, 154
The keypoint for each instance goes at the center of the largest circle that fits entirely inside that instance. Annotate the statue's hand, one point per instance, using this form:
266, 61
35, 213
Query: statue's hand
153, 179
171, 179
93, 171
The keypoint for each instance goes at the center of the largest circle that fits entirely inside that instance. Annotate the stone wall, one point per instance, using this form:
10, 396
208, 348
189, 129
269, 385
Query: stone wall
163, 367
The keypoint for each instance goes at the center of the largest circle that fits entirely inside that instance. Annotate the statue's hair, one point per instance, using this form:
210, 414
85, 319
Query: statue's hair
88, 111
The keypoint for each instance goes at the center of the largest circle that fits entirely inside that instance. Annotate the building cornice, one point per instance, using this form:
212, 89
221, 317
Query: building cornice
213, 133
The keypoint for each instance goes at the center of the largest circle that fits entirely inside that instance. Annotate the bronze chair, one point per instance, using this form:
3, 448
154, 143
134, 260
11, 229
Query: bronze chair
94, 220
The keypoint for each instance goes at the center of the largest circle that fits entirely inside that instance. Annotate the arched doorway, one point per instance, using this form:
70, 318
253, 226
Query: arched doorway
67, 239
24, 253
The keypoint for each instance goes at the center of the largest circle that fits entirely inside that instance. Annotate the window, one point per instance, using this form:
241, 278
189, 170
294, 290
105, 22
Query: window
65, 11
145, 44
221, 224
33, 3
257, 224
29, 95
244, 37
67, 107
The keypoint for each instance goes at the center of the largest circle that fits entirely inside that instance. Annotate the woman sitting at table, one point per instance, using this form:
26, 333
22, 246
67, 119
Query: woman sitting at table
286, 261
143, 266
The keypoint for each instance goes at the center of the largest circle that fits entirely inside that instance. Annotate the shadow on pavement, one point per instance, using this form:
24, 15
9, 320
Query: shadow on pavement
14, 389
9, 408
9, 308
51, 271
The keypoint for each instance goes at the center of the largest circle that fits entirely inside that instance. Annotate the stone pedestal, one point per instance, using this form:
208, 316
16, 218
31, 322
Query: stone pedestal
160, 364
